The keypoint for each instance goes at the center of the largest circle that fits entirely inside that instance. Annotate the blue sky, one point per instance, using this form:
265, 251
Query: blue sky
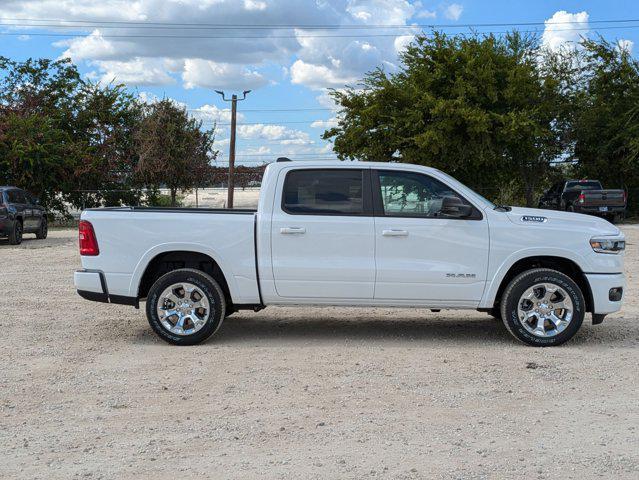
288, 67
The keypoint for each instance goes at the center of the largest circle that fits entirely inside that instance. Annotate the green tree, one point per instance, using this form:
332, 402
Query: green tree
60, 134
107, 119
606, 127
480, 107
173, 149
38, 143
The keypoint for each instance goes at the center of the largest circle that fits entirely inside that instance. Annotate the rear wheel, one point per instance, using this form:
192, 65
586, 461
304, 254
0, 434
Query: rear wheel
43, 230
15, 236
185, 306
543, 307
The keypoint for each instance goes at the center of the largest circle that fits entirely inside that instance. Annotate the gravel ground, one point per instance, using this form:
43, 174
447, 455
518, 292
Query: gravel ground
88, 391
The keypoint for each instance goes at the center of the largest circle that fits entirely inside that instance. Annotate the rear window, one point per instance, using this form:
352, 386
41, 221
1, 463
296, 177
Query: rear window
324, 192
588, 185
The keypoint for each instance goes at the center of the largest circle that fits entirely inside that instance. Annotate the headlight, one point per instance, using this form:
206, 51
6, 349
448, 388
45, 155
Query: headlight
607, 245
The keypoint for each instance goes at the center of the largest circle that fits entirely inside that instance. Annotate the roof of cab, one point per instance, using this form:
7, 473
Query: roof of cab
349, 164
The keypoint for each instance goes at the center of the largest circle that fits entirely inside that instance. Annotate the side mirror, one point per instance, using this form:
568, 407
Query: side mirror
453, 207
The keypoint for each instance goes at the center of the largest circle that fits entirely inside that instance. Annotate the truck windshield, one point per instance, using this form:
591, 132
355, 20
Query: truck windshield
585, 185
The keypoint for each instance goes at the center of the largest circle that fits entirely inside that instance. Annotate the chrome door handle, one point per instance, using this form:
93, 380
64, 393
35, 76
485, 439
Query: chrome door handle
395, 233
292, 230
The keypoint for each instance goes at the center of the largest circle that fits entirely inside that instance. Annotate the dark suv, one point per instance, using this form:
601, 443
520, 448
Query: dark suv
20, 213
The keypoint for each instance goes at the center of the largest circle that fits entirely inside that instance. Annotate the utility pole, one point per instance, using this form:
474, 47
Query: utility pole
233, 101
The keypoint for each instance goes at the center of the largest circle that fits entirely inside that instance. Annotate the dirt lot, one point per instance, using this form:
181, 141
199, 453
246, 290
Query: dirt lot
87, 390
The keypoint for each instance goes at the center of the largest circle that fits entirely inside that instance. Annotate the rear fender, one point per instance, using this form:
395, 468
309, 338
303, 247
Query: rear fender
153, 252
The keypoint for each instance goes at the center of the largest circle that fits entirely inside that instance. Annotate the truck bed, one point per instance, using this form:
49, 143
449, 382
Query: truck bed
129, 238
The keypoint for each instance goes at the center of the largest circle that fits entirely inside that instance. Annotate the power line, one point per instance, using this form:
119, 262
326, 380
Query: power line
272, 123
257, 37
90, 23
271, 109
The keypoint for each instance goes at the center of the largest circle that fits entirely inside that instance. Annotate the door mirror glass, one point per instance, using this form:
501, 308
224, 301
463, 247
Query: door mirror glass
453, 207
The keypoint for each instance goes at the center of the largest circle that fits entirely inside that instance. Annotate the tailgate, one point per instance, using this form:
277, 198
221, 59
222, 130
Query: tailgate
609, 198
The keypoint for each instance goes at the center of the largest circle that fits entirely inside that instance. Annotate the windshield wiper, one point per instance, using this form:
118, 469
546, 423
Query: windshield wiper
502, 208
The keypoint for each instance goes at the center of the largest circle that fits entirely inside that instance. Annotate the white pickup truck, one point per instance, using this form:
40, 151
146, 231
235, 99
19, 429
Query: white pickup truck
357, 234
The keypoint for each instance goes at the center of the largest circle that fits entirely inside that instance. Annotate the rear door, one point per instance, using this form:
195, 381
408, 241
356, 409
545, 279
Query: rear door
17, 200
33, 212
322, 234
422, 255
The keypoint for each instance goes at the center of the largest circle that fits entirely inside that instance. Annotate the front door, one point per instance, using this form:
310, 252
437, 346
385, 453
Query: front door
322, 235
422, 254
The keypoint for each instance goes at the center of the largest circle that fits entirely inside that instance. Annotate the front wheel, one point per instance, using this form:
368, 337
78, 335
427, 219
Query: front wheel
543, 307
43, 231
185, 306
15, 236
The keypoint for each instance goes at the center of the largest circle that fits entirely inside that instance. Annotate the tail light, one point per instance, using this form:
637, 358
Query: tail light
88, 240
625, 197
582, 198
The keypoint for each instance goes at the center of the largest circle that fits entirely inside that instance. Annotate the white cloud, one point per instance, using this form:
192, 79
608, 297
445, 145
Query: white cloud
319, 76
426, 14
211, 113
564, 28
238, 62
138, 71
453, 11
625, 45
325, 124
272, 132
254, 5
209, 74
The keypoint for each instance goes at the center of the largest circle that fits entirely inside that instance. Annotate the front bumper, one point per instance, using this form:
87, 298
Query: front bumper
91, 285
600, 287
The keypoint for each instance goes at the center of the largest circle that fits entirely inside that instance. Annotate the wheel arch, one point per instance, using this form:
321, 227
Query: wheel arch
163, 260
562, 264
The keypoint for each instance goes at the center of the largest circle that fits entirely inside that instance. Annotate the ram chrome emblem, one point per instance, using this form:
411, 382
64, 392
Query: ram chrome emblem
530, 218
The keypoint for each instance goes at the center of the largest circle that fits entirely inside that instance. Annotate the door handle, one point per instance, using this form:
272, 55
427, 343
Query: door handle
292, 230
395, 233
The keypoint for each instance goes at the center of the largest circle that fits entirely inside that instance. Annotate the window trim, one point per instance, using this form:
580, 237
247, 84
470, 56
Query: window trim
367, 194
378, 203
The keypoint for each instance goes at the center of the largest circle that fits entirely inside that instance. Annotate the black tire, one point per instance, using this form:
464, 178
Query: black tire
207, 285
15, 236
525, 280
43, 231
570, 208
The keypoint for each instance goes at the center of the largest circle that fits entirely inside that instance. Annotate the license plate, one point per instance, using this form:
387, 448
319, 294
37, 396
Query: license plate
603, 209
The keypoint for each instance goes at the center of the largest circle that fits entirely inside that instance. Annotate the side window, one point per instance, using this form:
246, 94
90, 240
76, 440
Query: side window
12, 196
414, 195
21, 197
324, 192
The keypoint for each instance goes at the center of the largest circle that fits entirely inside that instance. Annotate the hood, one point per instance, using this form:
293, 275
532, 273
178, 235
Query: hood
554, 219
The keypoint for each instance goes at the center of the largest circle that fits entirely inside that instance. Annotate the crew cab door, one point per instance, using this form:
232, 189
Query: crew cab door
322, 234
422, 255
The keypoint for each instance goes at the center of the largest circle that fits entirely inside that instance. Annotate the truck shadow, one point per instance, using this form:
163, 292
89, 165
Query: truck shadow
476, 331
304, 330
32, 243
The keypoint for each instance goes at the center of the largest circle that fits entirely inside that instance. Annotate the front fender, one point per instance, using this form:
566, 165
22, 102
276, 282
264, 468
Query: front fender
490, 293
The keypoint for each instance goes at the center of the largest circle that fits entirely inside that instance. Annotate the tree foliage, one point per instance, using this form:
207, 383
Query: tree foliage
483, 108
606, 126
173, 148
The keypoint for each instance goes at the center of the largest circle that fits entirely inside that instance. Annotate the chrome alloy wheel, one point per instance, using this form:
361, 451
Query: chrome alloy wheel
183, 309
545, 310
